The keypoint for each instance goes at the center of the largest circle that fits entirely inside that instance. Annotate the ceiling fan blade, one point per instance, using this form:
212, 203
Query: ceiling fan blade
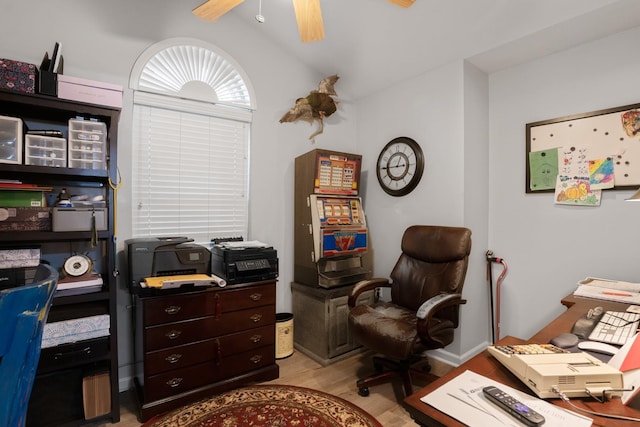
309, 17
214, 9
402, 3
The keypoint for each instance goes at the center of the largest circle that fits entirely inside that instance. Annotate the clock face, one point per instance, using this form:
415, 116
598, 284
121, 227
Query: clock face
400, 166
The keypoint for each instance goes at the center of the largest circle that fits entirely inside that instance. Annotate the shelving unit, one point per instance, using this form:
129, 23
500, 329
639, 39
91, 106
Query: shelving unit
57, 397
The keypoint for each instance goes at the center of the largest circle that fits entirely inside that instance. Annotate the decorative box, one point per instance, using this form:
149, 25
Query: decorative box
99, 93
25, 219
75, 330
21, 199
15, 258
18, 76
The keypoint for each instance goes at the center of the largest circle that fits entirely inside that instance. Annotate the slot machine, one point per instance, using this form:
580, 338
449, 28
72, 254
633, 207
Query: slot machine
331, 236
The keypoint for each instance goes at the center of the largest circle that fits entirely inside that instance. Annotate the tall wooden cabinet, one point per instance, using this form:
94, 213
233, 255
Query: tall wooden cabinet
57, 397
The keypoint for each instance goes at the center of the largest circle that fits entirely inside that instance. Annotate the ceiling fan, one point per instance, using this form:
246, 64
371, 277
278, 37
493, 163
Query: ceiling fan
308, 14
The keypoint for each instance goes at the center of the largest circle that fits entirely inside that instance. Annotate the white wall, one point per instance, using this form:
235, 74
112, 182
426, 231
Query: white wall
550, 247
433, 110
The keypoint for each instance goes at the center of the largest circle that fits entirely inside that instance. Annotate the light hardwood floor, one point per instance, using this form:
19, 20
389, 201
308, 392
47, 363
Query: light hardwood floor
338, 379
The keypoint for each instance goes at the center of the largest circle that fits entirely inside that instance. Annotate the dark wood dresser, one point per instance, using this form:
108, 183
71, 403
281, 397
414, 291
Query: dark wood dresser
194, 344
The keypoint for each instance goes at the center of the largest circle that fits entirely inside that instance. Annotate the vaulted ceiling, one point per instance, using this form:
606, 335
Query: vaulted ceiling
375, 44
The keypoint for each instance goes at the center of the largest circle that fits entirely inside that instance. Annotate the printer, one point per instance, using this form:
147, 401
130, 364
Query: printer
242, 262
165, 256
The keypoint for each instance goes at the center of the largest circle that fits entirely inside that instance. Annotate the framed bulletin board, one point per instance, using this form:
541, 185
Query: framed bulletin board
602, 147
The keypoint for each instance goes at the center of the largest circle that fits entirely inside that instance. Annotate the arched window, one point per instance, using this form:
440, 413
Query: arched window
192, 113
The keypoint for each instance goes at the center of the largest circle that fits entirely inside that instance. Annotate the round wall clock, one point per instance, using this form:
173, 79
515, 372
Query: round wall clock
400, 166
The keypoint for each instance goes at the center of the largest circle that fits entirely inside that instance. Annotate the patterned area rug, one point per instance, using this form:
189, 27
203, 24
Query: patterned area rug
268, 405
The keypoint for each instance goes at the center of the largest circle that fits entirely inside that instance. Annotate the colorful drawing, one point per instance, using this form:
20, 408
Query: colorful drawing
601, 173
631, 122
576, 192
543, 169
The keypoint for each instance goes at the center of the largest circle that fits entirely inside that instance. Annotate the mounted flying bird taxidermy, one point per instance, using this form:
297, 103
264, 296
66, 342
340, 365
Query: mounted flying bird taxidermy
315, 106
308, 14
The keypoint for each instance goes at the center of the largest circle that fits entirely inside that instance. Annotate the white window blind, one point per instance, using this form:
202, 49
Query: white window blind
190, 174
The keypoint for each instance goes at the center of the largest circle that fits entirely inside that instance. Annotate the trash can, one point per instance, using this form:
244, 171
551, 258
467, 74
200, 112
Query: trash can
284, 335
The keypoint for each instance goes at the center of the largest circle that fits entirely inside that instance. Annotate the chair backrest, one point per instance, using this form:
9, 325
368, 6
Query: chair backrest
23, 313
434, 260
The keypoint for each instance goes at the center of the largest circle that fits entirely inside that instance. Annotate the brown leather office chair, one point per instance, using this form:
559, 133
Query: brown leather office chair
426, 294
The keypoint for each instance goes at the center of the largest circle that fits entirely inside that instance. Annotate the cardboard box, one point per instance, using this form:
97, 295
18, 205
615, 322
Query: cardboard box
21, 199
18, 76
77, 89
25, 219
79, 219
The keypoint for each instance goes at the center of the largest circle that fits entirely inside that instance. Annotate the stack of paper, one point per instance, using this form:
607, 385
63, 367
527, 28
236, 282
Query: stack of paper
609, 290
87, 283
462, 399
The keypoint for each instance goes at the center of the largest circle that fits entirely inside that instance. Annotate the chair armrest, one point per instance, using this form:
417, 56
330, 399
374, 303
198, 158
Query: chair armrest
365, 285
438, 302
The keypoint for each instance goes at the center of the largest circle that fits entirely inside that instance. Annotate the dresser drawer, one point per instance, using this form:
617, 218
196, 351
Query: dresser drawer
245, 319
179, 333
244, 341
252, 296
181, 380
208, 350
179, 357
160, 310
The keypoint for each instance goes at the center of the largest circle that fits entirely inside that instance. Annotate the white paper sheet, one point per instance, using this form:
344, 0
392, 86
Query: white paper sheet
462, 399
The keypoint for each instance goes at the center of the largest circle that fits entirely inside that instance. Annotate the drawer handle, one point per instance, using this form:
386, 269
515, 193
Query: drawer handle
172, 309
174, 382
173, 358
256, 318
256, 297
255, 338
173, 334
256, 359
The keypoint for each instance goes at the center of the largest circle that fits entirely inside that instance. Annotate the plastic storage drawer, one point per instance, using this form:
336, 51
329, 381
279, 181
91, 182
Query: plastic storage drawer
10, 140
45, 151
87, 144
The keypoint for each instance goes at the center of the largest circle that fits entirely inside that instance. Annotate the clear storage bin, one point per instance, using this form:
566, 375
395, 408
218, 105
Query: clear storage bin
45, 151
10, 140
87, 144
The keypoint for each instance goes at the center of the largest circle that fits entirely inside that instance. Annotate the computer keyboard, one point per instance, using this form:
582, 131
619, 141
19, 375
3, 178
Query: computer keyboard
615, 327
521, 349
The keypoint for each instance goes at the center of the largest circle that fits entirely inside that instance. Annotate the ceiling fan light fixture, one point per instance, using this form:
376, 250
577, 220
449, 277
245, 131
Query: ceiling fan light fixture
402, 3
309, 18
214, 9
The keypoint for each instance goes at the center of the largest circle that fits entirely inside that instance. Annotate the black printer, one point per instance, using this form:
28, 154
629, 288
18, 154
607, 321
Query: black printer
243, 264
165, 256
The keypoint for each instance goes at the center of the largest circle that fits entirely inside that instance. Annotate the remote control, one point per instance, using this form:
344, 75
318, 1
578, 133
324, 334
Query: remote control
513, 407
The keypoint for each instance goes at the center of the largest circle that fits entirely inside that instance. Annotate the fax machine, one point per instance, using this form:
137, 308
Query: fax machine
165, 256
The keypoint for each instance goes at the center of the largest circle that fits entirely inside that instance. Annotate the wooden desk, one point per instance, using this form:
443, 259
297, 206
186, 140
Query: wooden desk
486, 365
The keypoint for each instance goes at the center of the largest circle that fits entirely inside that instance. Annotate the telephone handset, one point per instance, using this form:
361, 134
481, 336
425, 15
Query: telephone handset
584, 325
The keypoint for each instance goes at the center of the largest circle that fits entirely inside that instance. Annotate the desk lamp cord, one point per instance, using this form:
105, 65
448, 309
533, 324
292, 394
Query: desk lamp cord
597, 414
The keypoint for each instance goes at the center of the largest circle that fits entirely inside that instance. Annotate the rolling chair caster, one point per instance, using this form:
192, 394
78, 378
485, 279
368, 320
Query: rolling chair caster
363, 391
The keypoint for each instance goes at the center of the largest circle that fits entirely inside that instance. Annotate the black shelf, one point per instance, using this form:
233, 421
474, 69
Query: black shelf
62, 368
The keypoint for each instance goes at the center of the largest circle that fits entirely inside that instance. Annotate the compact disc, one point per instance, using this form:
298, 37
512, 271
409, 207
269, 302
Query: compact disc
77, 265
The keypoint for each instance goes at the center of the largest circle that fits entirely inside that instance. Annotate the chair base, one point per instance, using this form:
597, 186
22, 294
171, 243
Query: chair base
405, 370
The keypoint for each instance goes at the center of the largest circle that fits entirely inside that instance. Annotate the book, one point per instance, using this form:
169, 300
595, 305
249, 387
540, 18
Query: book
84, 281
